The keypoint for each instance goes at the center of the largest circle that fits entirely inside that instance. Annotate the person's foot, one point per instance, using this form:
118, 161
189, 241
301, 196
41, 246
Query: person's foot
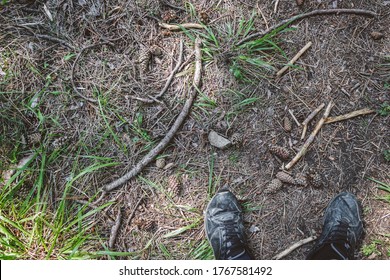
224, 227
342, 230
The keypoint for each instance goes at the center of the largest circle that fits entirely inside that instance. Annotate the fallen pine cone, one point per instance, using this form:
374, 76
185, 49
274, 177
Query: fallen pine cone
285, 178
273, 187
236, 138
173, 185
145, 225
143, 60
316, 180
280, 151
34, 138
160, 163
287, 124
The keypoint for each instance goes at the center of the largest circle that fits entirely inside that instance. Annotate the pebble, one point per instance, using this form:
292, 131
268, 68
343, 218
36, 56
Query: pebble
218, 141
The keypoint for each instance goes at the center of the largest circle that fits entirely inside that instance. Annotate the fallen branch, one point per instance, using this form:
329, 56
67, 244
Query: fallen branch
306, 15
173, 73
74, 67
180, 27
350, 115
172, 131
115, 229
294, 59
293, 247
309, 118
310, 139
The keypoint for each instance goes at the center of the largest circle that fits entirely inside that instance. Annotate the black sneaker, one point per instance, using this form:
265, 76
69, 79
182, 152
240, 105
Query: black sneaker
225, 229
342, 230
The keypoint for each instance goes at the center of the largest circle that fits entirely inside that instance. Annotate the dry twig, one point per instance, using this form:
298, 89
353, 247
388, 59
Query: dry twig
310, 139
306, 15
309, 118
293, 247
180, 27
172, 131
134, 210
294, 118
115, 229
294, 59
173, 73
350, 115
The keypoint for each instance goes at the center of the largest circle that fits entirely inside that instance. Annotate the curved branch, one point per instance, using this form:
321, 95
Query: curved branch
172, 131
306, 15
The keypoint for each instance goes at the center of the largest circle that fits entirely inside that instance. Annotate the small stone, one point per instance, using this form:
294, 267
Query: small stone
253, 229
160, 163
377, 35
300, 180
300, 2
218, 141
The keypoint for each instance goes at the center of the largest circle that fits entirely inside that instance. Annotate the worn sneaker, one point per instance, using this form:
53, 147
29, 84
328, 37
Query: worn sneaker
225, 229
342, 230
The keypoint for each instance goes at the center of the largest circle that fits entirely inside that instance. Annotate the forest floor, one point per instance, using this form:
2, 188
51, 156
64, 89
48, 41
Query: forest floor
76, 113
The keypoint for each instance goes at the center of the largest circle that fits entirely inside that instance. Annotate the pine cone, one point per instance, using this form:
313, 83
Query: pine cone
273, 187
155, 50
236, 138
169, 16
204, 17
300, 180
145, 225
34, 138
160, 163
173, 185
316, 180
280, 151
285, 178
287, 124
143, 60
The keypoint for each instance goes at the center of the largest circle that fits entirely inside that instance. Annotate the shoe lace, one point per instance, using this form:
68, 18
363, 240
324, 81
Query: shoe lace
233, 242
339, 233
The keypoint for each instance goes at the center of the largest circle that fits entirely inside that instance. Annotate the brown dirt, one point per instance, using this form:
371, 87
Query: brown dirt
343, 66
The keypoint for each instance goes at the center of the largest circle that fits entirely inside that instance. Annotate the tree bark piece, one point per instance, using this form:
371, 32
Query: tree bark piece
306, 15
293, 247
350, 115
149, 157
294, 59
310, 139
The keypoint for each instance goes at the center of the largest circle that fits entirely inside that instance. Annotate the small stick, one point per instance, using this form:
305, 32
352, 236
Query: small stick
134, 210
276, 6
350, 115
309, 118
173, 73
294, 59
179, 27
115, 229
293, 247
294, 118
55, 40
172, 131
310, 139
306, 15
